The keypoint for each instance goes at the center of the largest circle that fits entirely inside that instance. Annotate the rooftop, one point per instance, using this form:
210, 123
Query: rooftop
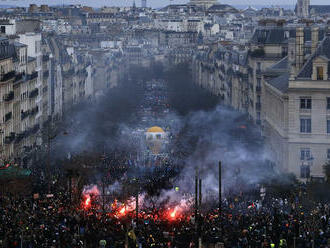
281, 83
322, 50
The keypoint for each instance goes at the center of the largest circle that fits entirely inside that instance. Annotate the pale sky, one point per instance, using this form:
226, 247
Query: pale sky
151, 3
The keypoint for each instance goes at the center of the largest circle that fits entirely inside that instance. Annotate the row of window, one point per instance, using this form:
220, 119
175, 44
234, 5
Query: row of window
306, 155
306, 103
306, 125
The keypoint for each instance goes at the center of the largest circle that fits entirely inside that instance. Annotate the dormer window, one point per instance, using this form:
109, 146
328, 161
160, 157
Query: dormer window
319, 72
320, 68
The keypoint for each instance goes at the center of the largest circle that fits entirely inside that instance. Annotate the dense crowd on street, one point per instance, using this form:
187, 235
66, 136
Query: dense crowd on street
54, 221
61, 220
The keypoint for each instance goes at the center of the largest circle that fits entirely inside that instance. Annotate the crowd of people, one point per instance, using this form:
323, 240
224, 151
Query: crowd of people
53, 220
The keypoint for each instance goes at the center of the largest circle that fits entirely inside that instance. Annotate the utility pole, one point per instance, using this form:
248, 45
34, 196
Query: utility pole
196, 193
103, 194
48, 155
200, 193
196, 209
137, 203
220, 186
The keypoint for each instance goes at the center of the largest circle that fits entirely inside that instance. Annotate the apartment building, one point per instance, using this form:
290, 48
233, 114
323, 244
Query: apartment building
19, 100
297, 105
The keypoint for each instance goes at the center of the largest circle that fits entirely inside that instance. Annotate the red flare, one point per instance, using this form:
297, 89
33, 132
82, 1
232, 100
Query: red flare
173, 214
88, 201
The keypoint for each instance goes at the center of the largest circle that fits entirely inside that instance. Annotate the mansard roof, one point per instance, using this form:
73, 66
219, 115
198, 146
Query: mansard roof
280, 35
280, 65
222, 8
281, 83
322, 50
319, 9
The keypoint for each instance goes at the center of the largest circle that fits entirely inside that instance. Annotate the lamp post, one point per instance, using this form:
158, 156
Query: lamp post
220, 185
50, 136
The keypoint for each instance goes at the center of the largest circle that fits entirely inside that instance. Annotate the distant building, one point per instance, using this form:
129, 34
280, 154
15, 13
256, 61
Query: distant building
8, 27
203, 3
44, 8
33, 8
302, 8
144, 3
317, 10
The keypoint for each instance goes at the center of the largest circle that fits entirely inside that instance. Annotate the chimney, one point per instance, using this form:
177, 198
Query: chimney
315, 38
291, 57
299, 48
327, 30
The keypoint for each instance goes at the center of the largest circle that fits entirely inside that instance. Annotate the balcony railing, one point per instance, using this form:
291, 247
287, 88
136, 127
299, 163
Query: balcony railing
18, 77
46, 74
19, 137
31, 76
68, 73
34, 93
8, 76
10, 138
24, 114
34, 129
258, 88
8, 116
34, 111
8, 97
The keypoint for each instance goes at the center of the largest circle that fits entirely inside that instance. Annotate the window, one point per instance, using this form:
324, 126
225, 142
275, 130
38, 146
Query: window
258, 82
319, 71
305, 171
305, 125
158, 136
328, 102
259, 66
328, 126
305, 103
328, 154
305, 154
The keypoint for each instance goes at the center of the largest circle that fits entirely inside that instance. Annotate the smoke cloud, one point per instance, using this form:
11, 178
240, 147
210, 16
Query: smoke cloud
204, 132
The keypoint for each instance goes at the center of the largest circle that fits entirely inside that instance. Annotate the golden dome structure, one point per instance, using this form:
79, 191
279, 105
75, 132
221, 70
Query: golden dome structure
155, 129
155, 137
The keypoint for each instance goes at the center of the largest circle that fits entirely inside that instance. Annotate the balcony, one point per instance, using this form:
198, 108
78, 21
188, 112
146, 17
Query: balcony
258, 106
68, 73
258, 88
82, 72
34, 111
34, 129
46, 74
19, 137
31, 76
10, 138
34, 93
8, 116
18, 77
7, 76
9, 97
24, 114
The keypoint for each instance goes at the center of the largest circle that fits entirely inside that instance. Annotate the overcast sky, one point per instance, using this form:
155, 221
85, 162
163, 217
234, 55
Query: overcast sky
151, 3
